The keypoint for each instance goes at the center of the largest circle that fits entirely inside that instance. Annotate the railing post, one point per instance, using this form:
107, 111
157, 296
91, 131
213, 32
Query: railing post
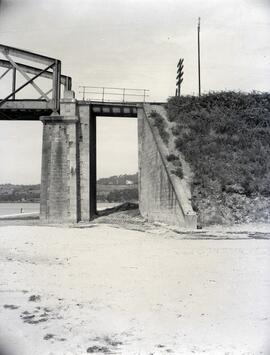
56, 85
124, 94
103, 89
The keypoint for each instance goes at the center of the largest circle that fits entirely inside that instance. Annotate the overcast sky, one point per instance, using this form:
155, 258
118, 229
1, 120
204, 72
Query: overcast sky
136, 44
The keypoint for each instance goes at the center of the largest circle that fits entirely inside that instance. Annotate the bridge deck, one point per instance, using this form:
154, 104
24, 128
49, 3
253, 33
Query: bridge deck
31, 110
25, 110
111, 109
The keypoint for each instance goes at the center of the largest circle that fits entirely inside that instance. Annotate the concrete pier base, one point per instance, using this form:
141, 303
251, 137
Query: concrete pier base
68, 177
58, 200
60, 164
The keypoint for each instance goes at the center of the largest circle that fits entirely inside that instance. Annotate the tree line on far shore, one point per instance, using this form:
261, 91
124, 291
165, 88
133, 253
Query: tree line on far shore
119, 188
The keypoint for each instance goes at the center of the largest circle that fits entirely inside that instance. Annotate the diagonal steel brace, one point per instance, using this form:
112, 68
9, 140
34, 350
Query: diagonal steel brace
27, 77
5, 73
47, 93
25, 84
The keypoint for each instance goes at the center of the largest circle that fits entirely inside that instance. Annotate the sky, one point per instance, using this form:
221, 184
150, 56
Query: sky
135, 44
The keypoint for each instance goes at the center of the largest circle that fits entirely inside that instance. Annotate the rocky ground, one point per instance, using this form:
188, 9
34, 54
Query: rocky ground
120, 285
230, 208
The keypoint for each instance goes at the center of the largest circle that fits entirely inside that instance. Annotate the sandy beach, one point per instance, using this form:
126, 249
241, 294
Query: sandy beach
102, 290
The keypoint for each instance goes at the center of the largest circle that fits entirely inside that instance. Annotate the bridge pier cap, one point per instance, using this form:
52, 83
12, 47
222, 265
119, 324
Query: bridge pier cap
68, 110
69, 95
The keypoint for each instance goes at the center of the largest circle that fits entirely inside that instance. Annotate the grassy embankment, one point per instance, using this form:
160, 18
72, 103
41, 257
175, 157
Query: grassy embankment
225, 137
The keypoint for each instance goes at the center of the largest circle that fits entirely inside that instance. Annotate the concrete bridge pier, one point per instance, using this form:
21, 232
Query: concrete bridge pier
68, 176
59, 173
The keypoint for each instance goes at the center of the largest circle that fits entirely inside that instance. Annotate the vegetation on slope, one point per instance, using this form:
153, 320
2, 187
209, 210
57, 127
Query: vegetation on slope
161, 126
226, 139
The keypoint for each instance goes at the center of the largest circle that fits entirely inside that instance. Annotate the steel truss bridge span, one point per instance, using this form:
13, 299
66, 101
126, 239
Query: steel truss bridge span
47, 99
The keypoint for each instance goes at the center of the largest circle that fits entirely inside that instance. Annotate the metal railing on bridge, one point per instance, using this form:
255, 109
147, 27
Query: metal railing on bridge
51, 71
110, 94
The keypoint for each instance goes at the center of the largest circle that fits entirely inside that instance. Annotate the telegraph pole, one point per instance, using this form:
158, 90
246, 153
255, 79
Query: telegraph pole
179, 76
199, 56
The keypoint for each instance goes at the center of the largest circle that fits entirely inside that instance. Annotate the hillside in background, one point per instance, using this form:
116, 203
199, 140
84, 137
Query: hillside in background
19, 193
126, 179
118, 188
225, 137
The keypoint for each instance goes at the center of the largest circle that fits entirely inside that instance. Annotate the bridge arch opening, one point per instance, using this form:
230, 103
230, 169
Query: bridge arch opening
117, 161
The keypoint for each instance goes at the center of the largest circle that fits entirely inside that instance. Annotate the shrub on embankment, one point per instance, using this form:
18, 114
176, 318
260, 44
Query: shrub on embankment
161, 126
225, 137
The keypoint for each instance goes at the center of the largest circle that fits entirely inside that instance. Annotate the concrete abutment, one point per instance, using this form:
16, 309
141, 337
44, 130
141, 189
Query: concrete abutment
163, 197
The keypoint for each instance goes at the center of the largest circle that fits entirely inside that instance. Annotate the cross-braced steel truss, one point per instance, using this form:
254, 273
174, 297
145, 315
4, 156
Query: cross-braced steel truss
51, 71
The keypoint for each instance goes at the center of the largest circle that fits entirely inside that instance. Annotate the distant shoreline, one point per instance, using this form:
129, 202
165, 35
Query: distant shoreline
38, 202
116, 188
